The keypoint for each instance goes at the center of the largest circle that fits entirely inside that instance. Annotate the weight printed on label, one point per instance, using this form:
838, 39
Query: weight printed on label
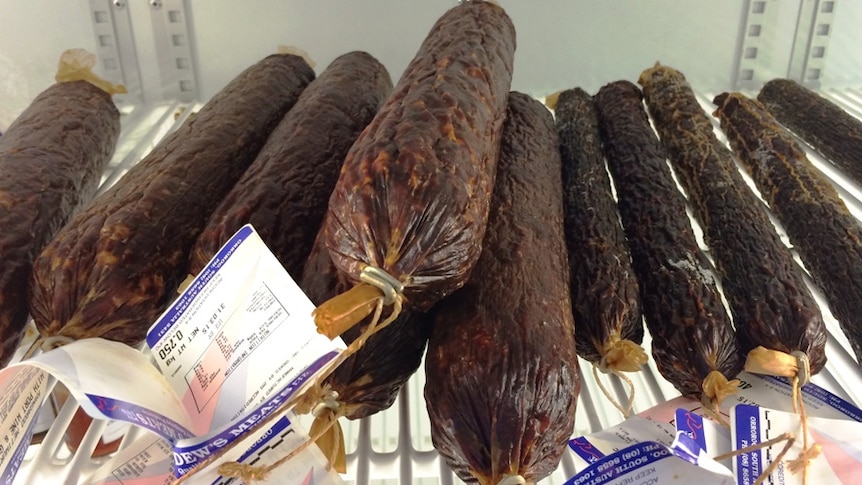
251, 314
237, 333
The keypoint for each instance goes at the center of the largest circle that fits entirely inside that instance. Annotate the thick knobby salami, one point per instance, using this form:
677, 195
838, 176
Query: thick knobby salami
693, 342
605, 298
502, 372
832, 131
768, 299
51, 160
827, 237
284, 193
114, 267
412, 197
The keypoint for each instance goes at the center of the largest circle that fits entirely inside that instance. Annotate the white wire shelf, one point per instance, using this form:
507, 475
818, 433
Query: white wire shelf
394, 446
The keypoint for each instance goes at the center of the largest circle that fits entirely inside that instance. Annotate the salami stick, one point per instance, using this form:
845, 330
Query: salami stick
284, 193
113, 268
409, 210
605, 298
832, 131
826, 235
693, 342
772, 308
51, 160
502, 372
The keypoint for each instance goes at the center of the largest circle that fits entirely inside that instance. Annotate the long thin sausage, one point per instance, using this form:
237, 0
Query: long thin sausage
832, 131
693, 342
113, 268
770, 304
605, 297
827, 237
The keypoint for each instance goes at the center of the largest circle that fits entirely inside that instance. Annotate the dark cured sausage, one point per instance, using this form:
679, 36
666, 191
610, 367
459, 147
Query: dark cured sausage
770, 304
605, 298
692, 335
502, 372
51, 160
284, 193
368, 381
826, 235
113, 268
829, 129
413, 195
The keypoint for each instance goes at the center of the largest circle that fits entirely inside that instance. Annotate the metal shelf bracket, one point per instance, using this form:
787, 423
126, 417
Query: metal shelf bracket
813, 31
115, 45
177, 66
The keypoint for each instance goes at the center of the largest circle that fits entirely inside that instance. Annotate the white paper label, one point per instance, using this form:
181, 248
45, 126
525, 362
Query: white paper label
710, 436
232, 350
592, 448
766, 391
651, 463
22, 391
150, 460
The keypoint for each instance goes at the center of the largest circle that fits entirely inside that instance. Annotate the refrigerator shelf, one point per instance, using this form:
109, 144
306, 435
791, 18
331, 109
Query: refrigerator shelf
394, 446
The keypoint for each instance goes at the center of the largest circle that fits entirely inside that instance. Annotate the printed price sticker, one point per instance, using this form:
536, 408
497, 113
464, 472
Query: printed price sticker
241, 331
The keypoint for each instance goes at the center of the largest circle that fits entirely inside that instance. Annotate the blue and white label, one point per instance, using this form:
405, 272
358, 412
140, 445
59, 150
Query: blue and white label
138, 415
231, 352
586, 450
746, 432
839, 460
189, 453
693, 426
814, 395
18, 457
637, 461
652, 463
279, 430
166, 322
